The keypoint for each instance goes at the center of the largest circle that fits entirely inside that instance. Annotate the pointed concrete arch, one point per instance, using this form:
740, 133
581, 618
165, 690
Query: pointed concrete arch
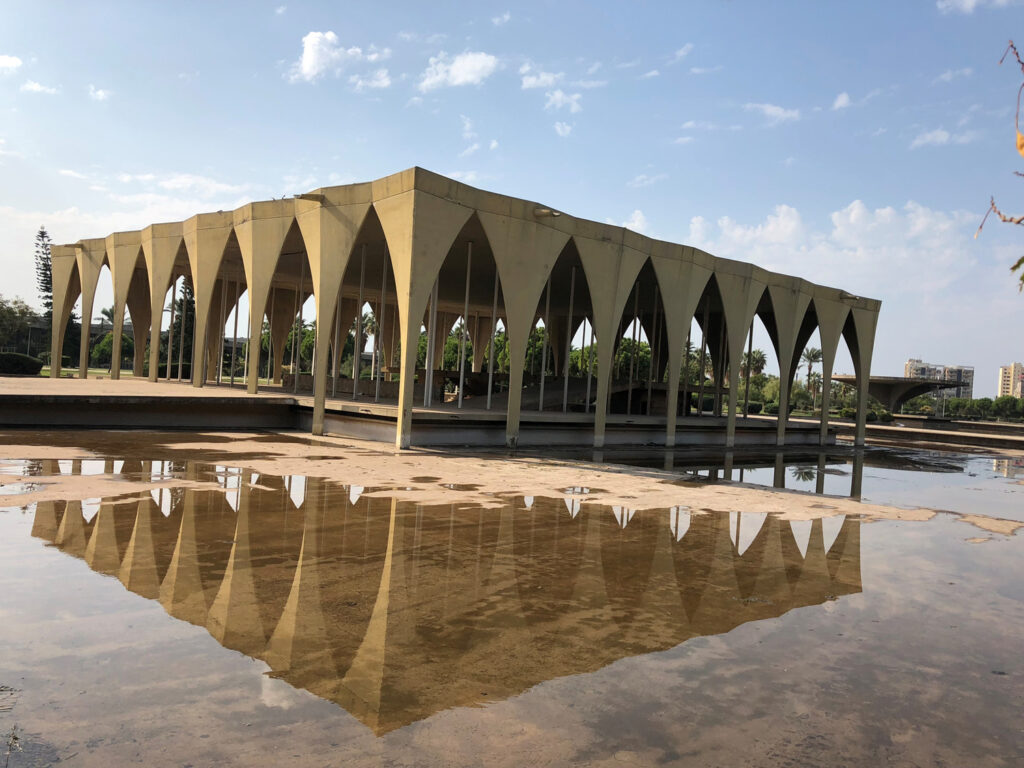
330, 221
124, 254
611, 267
683, 272
419, 228
525, 249
91, 256
830, 315
206, 237
741, 286
67, 286
790, 300
263, 230
163, 248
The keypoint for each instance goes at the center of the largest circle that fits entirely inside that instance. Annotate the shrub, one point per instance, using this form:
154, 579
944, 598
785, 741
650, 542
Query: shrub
871, 416
848, 413
772, 409
16, 363
885, 416
754, 407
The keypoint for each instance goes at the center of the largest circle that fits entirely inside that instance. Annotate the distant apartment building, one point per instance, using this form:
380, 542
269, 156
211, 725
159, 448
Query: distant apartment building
961, 377
1011, 380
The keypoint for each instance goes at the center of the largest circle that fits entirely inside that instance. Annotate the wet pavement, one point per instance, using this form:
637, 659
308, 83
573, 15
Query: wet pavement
226, 616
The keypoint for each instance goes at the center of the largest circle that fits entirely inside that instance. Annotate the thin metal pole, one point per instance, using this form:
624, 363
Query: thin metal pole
494, 334
428, 364
544, 347
356, 351
298, 331
750, 352
248, 333
590, 364
568, 342
720, 378
632, 355
686, 374
378, 343
181, 342
234, 333
223, 322
337, 347
271, 351
170, 328
703, 357
465, 323
655, 335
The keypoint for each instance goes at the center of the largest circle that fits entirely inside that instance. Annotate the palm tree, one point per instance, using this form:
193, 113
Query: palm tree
810, 356
756, 360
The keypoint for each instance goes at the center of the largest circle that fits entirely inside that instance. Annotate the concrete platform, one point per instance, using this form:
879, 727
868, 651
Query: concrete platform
139, 404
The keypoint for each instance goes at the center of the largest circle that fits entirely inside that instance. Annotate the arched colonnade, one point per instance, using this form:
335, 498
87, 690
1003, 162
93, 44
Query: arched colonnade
423, 250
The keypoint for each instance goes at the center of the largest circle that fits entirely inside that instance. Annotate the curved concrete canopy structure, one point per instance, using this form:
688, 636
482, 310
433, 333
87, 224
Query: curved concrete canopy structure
424, 249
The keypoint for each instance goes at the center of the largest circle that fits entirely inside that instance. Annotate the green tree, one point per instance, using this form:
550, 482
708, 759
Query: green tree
756, 360
44, 273
1006, 407
811, 356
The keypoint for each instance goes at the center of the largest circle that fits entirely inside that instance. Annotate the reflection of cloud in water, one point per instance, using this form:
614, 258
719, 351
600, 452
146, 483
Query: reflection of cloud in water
277, 694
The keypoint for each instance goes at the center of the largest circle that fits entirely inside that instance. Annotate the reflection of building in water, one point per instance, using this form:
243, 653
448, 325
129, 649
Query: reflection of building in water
397, 610
1008, 467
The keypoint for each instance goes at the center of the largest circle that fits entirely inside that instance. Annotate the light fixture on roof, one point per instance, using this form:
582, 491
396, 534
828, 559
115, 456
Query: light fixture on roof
538, 212
846, 295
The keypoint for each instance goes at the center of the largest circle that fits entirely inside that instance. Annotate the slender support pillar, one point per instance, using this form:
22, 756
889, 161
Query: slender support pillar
465, 323
746, 386
494, 334
590, 364
544, 346
296, 342
223, 322
358, 347
428, 364
378, 343
234, 333
652, 343
170, 328
703, 358
181, 340
336, 363
568, 343
632, 351
118, 331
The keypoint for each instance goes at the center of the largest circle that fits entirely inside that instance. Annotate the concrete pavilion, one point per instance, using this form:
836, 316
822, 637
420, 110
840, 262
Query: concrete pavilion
424, 250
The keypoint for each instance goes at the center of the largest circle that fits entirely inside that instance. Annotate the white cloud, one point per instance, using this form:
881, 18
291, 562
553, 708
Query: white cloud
842, 101
9, 64
643, 180
705, 70
589, 83
558, 98
774, 113
280, 10
8, 152
968, 6
470, 68
127, 178
503, 19
628, 64
414, 101
98, 94
321, 54
539, 79
952, 74
683, 52
375, 80
940, 137
682, 140
493, 145
649, 74
467, 128
71, 174
563, 129
470, 149
407, 36
31, 86
593, 67
199, 185
636, 222
467, 177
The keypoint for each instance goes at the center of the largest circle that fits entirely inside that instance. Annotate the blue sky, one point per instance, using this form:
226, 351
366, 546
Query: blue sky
854, 144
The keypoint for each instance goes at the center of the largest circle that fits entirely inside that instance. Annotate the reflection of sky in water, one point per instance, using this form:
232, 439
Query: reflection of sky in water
978, 486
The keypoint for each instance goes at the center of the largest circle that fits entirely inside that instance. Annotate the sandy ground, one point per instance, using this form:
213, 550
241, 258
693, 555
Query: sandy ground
419, 475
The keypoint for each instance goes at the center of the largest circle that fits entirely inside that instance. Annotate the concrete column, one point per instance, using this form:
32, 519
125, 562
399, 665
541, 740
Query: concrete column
139, 310
160, 245
90, 256
865, 321
206, 236
66, 287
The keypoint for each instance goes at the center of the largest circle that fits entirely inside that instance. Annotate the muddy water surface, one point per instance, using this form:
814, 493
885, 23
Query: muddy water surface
223, 616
